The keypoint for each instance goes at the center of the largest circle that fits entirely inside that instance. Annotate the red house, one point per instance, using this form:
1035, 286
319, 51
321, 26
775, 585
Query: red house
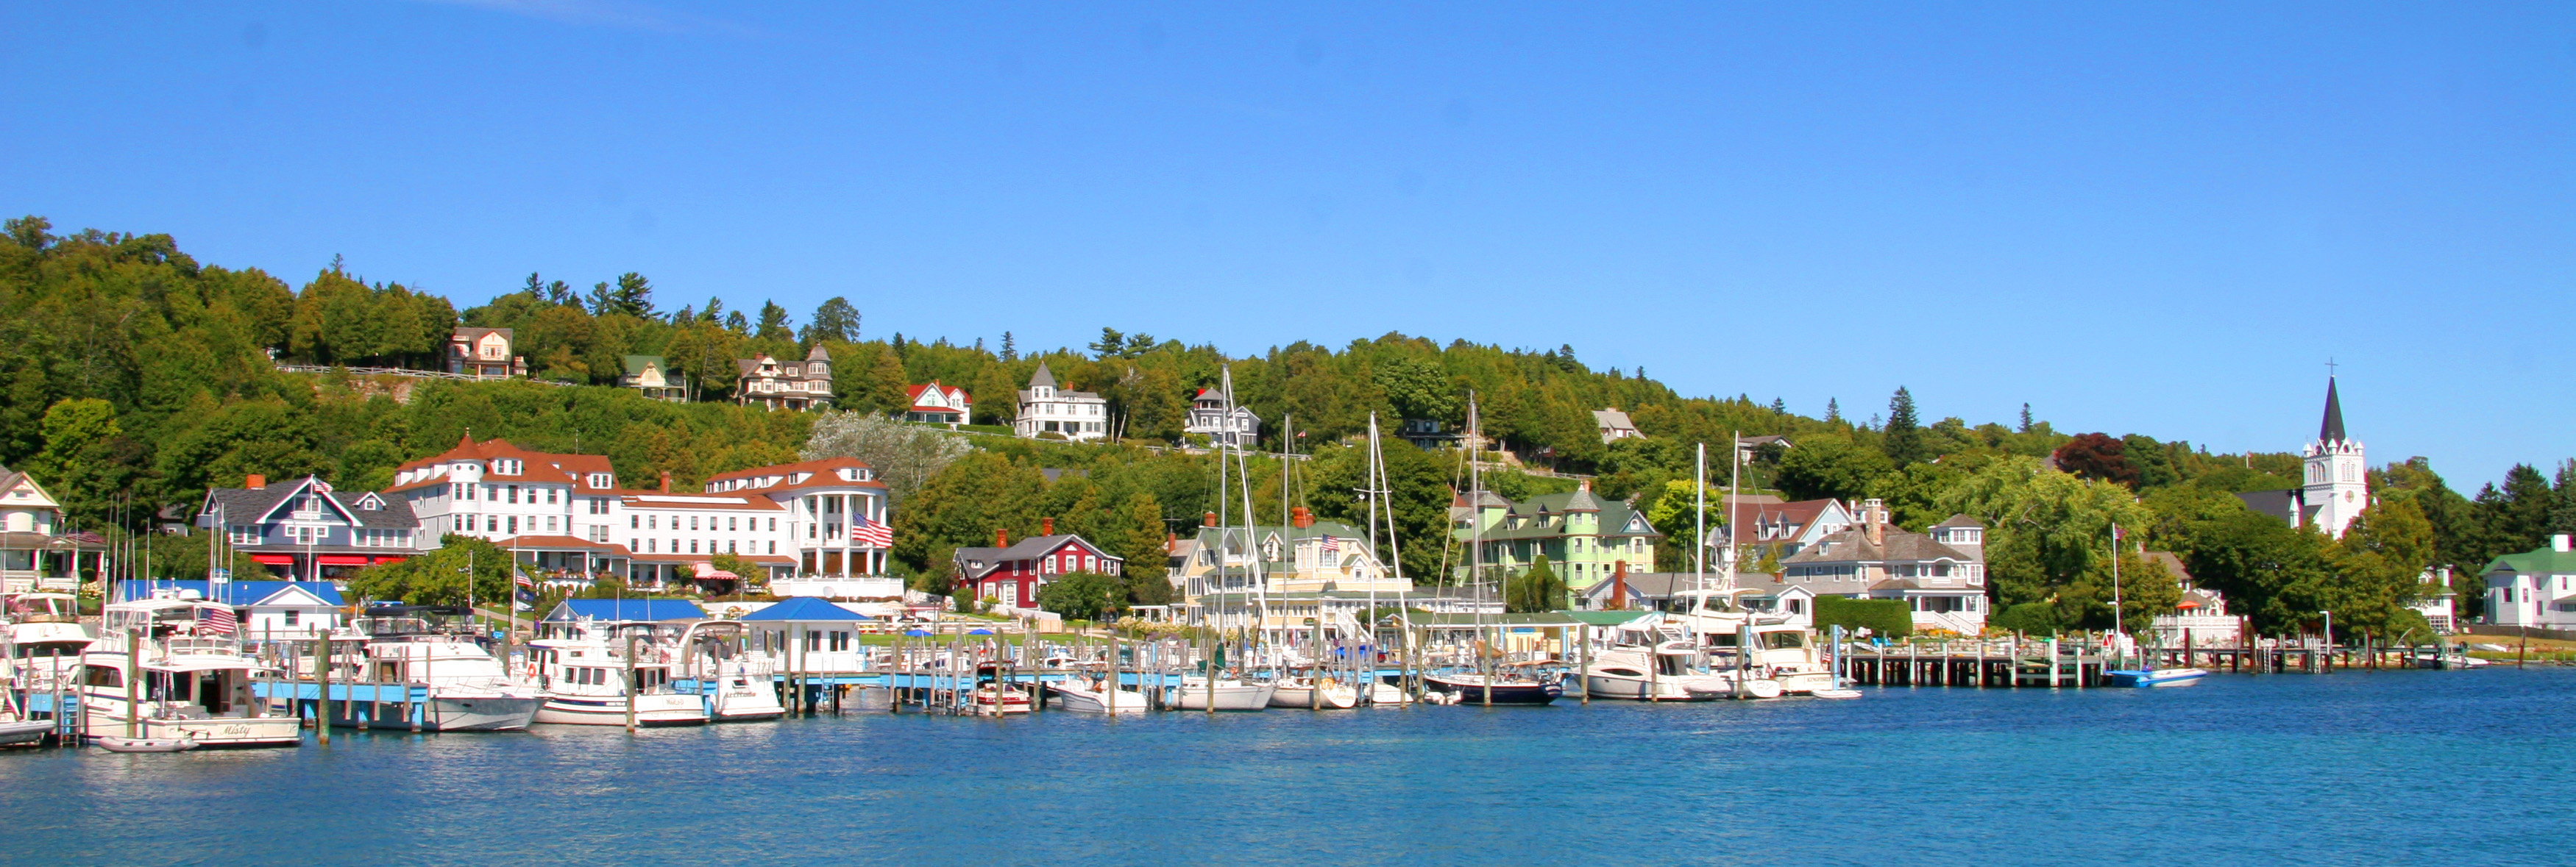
1012, 573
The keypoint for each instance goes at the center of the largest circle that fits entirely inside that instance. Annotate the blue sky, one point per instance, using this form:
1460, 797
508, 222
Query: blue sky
2155, 218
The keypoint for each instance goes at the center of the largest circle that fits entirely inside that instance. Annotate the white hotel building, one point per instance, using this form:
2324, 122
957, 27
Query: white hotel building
566, 515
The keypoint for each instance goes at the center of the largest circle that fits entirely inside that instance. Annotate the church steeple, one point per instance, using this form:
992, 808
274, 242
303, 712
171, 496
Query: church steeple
2332, 430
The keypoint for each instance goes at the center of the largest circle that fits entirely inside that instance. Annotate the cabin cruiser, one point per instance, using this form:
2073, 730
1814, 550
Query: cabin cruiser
1515, 683
1301, 691
171, 667
993, 696
468, 688
1092, 692
740, 685
43, 641
1784, 659
1668, 671
588, 679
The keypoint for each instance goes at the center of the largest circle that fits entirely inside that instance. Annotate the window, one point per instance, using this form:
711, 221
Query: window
653, 522
551, 494
773, 547
292, 616
634, 522
729, 525
693, 522
773, 525
550, 523
514, 525
514, 494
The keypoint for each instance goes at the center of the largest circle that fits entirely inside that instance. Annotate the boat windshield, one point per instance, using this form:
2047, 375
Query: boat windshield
41, 649
1783, 640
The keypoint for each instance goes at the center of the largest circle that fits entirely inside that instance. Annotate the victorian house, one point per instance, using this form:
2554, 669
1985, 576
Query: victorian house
483, 353
940, 404
785, 384
651, 374
1012, 574
307, 531
35, 553
1940, 573
1209, 417
1308, 569
1584, 538
1046, 409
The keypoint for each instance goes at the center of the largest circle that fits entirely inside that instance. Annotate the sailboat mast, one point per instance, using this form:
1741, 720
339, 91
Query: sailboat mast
1734, 487
1699, 532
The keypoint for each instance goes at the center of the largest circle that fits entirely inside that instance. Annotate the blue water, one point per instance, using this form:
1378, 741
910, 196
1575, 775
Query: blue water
2381, 768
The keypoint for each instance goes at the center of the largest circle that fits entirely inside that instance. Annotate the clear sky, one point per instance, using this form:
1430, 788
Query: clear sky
2159, 218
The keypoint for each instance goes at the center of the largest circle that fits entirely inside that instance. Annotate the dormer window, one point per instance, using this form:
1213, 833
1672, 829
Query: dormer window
506, 466
602, 480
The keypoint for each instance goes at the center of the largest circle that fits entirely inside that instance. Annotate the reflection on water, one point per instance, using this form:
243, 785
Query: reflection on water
2354, 767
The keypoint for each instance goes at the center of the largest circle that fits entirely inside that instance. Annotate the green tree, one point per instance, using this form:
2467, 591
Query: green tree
1902, 439
1829, 466
1083, 596
774, 323
1535, 590
836, 321
440, 576
1671, 512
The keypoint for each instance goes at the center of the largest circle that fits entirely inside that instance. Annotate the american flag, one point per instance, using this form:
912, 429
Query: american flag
216, 620
871, 533
525, 581
1332, 545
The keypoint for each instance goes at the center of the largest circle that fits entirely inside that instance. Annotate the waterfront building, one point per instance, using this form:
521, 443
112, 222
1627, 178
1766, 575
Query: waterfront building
35, 554
1011, 574
1941, 573
2336, 479
940, 404
2536, 588
1047, 409
264, 609
2201, 613
651, 375
1615, 426
308, 531
1306, 556
1583, 537
775, 384
1210, 418
484, 353
817, 528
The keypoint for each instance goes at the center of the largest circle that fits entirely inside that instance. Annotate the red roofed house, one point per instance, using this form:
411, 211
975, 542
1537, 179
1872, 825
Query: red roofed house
558, 511
483, 353
1012, 574
785, 384
837, 529
939, 404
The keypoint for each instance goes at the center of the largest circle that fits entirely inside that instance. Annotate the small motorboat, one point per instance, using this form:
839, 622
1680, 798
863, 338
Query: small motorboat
117, 744
1381, 692
2154, 678
25, 731
1094, 695
1508, 688
1836, 693
1226, 693
1304, 692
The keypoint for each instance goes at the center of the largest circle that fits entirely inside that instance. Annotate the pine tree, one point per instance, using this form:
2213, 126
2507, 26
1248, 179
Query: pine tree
1904, 442
774, 322
1833, 410
2562, 512
2025, 418
1779, 406
1009, 353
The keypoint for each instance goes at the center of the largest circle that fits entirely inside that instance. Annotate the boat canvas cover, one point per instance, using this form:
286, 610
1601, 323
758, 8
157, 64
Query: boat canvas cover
626, 610
803, 608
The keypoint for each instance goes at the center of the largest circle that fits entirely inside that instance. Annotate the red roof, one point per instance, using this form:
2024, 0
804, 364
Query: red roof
821, 473
957, 394
534, 466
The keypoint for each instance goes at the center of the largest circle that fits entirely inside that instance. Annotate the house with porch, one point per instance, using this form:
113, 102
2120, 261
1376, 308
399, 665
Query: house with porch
1766, 522
1584, 538
1011, 574
306, 531
2536, 588
837, 530
785, 385
1210, 417
35, 553
651, 374
1046, 409
484, 353
266, 610
1940, 573
1306, 556
2201, 613
933, 403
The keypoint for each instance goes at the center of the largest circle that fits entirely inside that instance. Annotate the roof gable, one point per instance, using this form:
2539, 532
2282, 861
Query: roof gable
803, 609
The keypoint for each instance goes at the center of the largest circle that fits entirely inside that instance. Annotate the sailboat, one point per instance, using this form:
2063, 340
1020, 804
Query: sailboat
1488, 683
2146, 675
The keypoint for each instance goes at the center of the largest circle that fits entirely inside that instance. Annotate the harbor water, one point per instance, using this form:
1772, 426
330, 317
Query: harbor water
2356, 767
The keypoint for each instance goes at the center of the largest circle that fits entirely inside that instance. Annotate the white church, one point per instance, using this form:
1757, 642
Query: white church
2334, 492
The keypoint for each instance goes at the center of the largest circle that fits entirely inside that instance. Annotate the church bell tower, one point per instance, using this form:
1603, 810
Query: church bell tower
2335, 491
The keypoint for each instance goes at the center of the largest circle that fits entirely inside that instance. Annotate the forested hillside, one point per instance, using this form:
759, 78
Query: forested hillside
130, 371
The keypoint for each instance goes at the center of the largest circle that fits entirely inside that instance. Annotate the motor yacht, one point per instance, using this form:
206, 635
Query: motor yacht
740, 685
170, 667
467, 687
588, 679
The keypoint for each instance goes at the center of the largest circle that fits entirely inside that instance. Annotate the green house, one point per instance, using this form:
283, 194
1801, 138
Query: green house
1584, 538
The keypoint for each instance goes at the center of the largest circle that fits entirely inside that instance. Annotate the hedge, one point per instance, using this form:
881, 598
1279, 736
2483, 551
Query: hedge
1885, 618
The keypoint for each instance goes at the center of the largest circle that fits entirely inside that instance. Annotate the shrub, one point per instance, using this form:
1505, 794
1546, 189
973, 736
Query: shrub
2029, 618
1885, 618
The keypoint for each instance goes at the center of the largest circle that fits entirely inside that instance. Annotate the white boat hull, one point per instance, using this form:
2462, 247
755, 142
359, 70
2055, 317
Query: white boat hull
1678, 688
1336, 696
1228, 696
1085, 700
1387, 694
276, 731
741, 698
25, 731
610, 710
492, 713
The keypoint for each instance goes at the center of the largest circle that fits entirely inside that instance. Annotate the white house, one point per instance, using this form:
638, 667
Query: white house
33, 552
2536, 588
940, 404
1046, 409
1615, 426
785, 385
484, 353
1941, 573
1209, 417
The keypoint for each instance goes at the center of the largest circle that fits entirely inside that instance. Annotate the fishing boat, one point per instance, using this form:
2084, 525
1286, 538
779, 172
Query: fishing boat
464, 687
170, 668
1092, 693
2153, 678
740, 686
44, 640
588, 680
1226, 693
1669, 673
1305, 691
120, 744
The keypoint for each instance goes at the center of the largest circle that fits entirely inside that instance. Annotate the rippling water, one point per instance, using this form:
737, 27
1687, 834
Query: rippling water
2394, 767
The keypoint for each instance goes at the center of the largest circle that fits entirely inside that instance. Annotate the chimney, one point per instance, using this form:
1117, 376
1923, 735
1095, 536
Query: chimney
1209, 521
1171, 541
260, 482
666, 481
1301, 517
1619, 586
2560, 543
1001, 538
1874, 517
1046, 526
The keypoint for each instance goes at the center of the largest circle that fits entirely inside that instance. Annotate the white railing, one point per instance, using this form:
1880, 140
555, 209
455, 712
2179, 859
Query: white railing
402, 371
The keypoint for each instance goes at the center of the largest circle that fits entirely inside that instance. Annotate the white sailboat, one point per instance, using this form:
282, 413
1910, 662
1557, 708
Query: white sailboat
1310, 690
169, 669
1225, 693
